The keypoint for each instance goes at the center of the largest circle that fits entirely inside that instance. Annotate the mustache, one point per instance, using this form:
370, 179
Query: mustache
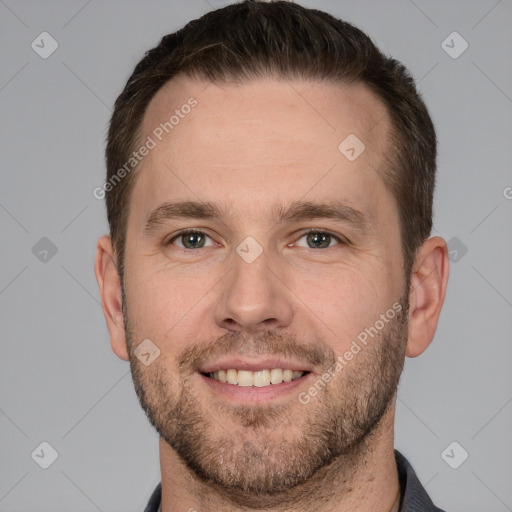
267, 343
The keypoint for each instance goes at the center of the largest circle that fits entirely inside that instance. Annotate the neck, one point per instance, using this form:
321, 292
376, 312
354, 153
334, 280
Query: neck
364, 481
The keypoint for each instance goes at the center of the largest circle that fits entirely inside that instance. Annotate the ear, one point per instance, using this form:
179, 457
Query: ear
109, 282
427, 293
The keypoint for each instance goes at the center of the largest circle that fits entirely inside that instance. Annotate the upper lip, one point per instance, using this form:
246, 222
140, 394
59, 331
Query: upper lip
255, 364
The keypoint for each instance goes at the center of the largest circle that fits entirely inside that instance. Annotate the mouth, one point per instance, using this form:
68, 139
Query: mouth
258, 379
244, 380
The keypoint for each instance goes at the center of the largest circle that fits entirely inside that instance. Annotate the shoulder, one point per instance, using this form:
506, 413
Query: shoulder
414, 495
154, 501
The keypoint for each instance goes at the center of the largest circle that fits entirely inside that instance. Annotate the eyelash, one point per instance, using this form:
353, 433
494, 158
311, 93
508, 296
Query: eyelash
322, 232
192, 230
184, 232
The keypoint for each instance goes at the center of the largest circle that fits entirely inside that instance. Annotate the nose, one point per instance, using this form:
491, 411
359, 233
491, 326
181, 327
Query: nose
253, 297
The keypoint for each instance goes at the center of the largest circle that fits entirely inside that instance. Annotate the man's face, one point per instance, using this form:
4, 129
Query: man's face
296, 253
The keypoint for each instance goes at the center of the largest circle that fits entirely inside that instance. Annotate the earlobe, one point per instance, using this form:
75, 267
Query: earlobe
109, 284
427, 292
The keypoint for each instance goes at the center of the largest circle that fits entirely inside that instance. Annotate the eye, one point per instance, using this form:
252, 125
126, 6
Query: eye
319, 239
190, 239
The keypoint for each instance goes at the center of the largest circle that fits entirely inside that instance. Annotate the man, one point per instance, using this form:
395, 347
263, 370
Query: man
269, 194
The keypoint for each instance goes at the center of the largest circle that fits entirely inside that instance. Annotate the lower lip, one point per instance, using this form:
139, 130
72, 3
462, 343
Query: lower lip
247, 394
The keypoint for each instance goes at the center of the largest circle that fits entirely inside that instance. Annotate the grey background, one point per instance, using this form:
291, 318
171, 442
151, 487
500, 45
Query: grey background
60, 381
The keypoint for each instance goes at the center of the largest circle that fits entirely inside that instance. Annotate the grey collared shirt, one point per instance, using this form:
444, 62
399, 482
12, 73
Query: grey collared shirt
414, 497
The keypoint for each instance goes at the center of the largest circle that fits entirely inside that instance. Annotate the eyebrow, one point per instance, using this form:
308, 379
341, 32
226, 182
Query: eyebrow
334, 210
296, 211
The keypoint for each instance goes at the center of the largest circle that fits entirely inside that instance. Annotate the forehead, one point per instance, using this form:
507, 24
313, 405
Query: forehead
267, 108
262, 139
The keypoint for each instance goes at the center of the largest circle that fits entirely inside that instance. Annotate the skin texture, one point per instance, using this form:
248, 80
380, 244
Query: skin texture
252, 149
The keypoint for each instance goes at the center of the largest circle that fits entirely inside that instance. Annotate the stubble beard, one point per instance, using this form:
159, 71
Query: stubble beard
257, 452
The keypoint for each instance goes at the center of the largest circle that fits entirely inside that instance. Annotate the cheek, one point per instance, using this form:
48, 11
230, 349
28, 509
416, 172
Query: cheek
342, 302
168, 308
155, 304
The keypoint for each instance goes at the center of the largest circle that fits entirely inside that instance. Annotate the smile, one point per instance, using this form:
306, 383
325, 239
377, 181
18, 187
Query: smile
259, 379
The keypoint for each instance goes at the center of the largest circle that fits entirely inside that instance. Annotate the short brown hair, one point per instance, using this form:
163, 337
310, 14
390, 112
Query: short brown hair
283, 40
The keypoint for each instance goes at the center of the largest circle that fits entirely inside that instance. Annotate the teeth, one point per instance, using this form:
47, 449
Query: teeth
276, 376
258, 379
261, 378
232, 376
244, 378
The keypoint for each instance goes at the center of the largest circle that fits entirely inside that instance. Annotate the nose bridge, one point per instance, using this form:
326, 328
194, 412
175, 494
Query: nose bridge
250, 277
252, 299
